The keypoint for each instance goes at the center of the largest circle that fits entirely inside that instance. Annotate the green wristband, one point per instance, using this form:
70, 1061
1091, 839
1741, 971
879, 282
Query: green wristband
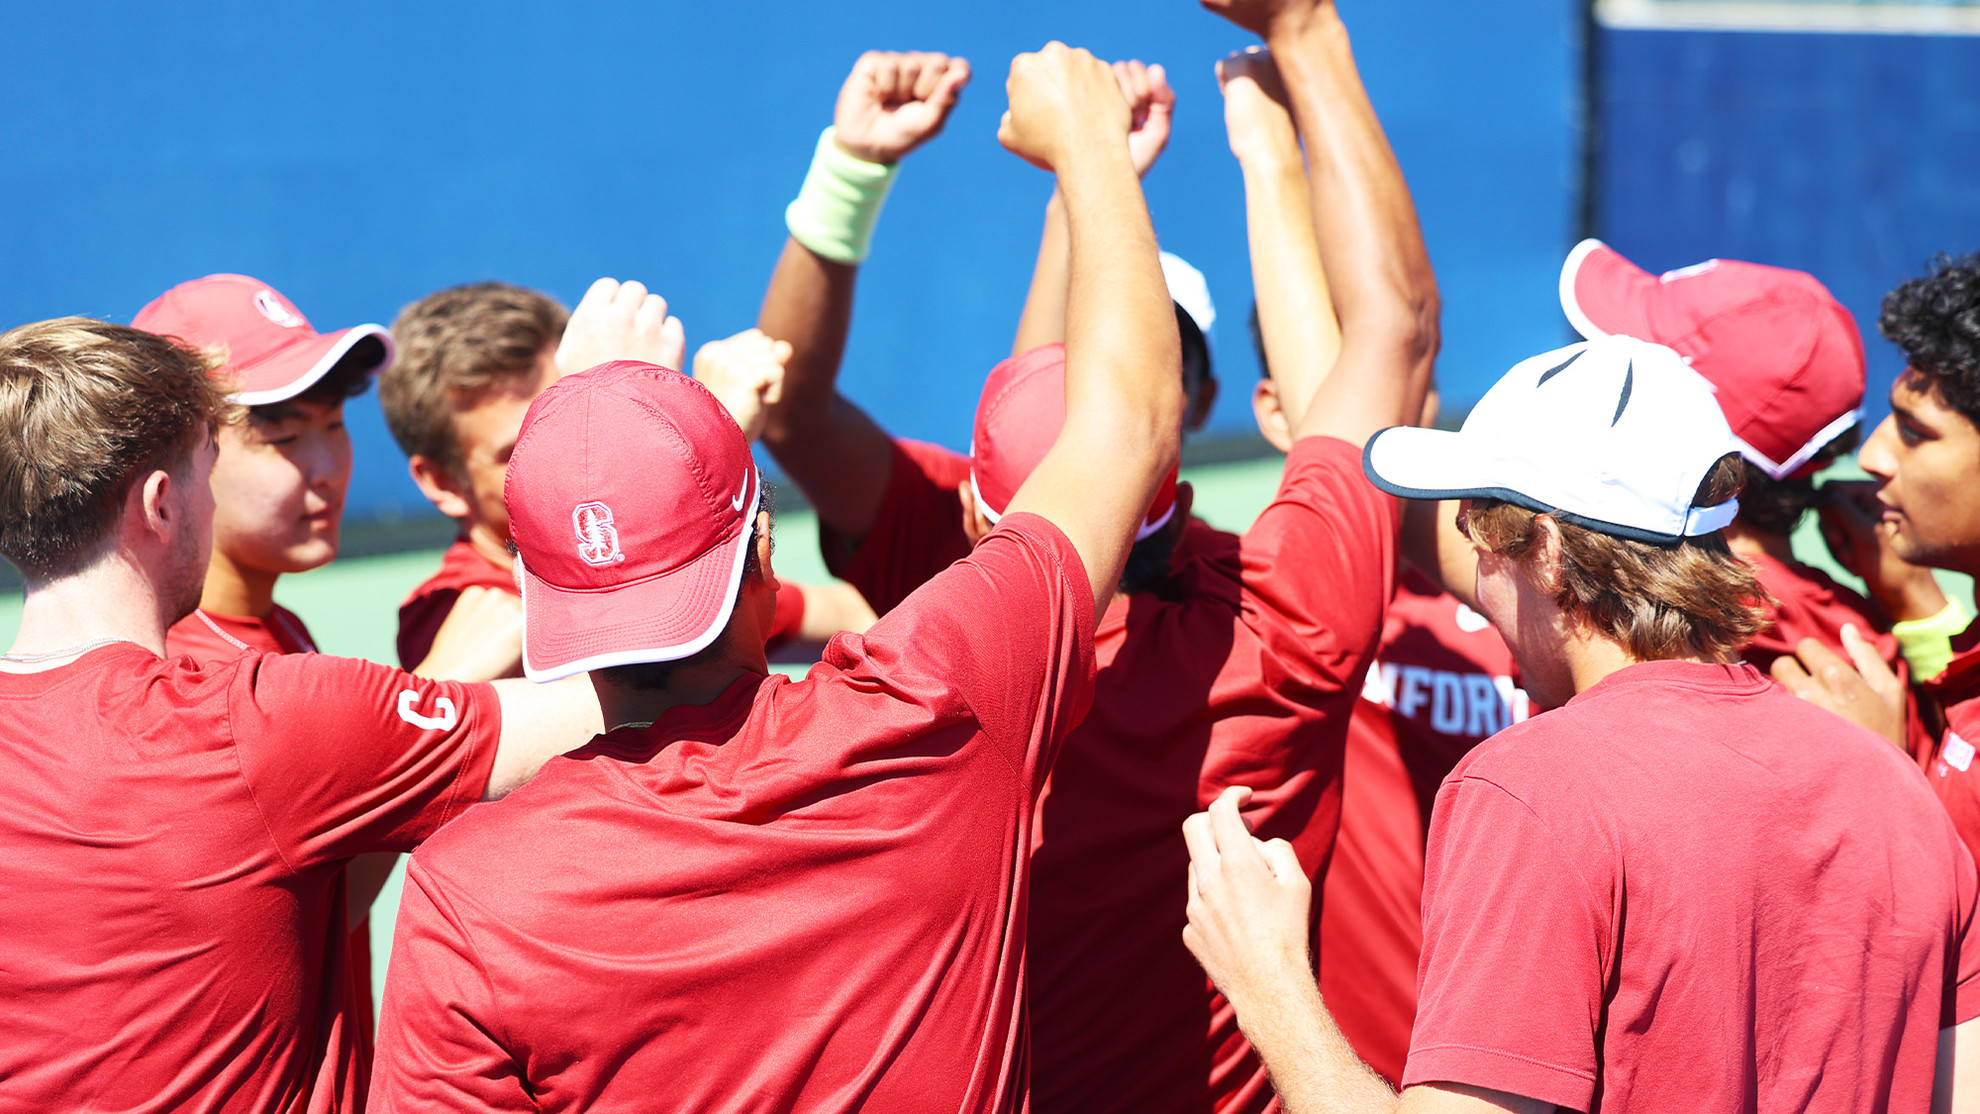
835, 212
1927, 643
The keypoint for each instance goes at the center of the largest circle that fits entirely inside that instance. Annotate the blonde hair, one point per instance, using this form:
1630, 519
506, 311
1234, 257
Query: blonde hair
86, 408
1691, 599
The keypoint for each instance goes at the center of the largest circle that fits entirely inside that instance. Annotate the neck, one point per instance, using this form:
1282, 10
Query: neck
490, 545
232, 589
690, 686
110, 601
1747, 542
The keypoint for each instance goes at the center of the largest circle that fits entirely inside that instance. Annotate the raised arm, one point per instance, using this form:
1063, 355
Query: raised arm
1151, 106
1383, 288
540, 722
1297, 328
1123, 381
891, 104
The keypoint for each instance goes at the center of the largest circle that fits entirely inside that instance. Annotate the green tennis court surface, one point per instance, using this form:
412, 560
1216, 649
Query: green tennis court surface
352, 606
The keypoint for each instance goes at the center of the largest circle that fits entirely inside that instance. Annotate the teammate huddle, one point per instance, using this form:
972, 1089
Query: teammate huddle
1044, 826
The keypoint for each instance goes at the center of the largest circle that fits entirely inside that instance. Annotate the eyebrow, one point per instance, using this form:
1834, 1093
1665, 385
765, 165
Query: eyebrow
275, 413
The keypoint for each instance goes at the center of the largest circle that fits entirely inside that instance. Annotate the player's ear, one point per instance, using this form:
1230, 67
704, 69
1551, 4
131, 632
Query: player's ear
439, 484
763, 548
1545, 556
1271, 416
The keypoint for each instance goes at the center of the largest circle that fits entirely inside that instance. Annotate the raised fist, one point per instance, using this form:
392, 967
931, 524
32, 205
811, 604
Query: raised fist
893, 103
1262, 17
745, 373
1257, 113
1061, 99
620, 321
1151, 105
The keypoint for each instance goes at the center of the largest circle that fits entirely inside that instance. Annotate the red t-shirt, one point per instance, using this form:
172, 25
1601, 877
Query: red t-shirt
1948, 762
802, 896
1688, 890
463, 567
209, 637
213, 639
1443, 682
173, 840
1242, 670
1810, 604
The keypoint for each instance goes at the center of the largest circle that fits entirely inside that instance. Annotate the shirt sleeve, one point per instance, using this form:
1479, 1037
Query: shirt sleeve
1515, 948
916, 534
420, 619
439, 1045
1319, 568
1962, 998
344, 756
1007, 632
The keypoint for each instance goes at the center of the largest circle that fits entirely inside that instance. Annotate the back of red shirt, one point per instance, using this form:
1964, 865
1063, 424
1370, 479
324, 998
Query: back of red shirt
1443, 682
1242, 670
1688, 890
802, 896
172, 845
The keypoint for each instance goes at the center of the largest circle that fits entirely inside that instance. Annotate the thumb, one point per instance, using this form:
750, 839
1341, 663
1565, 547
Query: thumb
1284, 861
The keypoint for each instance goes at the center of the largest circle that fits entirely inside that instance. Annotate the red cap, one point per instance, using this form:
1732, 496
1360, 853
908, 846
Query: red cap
1783, 355
1018, 418
272, 352
631, 492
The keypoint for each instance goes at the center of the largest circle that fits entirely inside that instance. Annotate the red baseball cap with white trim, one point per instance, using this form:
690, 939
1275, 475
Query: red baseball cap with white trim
272, 352
1784, 357
1018, 418
631, 493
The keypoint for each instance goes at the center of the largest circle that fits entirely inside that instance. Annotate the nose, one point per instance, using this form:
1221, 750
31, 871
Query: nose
1878, 455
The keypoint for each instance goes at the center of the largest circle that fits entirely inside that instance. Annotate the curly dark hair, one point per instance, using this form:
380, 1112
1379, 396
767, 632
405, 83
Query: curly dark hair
1936, 320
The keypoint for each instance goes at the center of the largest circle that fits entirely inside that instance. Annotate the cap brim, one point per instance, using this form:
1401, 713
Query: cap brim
295, 368
1413, 463
1604, 294
662, 618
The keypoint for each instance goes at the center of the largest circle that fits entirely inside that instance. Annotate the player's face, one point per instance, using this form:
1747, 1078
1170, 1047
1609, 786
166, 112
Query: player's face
279, 483
485, 430
1926, 459
186, 574
1529, 620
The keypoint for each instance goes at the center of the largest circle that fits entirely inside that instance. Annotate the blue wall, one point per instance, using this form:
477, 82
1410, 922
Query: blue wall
359, 155
1853, 157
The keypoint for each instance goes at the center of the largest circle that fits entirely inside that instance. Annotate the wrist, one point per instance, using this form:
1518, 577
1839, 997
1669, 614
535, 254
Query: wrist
1298, 20
837, 208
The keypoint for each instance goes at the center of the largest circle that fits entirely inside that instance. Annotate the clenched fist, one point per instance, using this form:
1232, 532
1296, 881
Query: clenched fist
1257, 114
1263, 17
620, 321
893, 103
1062, 100
745, 373
1151, 105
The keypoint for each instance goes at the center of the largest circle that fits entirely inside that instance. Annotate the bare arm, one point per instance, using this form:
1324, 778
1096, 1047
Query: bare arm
1432, 542
1152, 105
1248, 920
1956, 1085
540, 722
890, 104
1384, 292
1123, 384
1302, 337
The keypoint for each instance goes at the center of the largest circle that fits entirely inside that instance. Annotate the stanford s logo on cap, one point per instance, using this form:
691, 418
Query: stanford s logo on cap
271, 307
598, 539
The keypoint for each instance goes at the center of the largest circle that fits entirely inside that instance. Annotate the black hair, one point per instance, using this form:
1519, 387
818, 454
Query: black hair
1196, 369
1776, 506
1936, 320
350, 376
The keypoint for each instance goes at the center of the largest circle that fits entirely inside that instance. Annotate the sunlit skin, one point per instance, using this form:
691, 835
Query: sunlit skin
485, 431
279, 483
1924, 458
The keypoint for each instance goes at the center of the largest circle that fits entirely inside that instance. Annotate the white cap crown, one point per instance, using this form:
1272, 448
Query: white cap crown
1613, 434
